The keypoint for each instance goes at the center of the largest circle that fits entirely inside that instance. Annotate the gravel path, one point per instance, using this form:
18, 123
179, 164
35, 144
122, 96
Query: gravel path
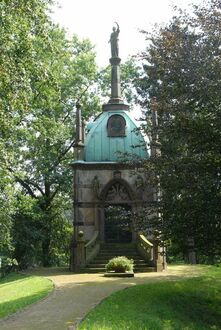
76, 294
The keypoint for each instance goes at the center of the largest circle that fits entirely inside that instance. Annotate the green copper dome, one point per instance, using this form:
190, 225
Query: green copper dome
112, 134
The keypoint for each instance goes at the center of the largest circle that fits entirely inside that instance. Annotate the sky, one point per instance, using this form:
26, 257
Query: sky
94, 19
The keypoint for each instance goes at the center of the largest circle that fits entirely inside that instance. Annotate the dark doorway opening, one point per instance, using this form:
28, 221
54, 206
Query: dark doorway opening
118, 224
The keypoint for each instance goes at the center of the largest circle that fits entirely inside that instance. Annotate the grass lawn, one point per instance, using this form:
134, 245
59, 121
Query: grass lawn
18, 291
189, 304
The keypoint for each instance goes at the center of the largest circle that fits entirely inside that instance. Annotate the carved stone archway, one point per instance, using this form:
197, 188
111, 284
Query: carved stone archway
116, 193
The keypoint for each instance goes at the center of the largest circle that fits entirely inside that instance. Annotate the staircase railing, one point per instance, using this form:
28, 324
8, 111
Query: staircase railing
145, 248
92, 248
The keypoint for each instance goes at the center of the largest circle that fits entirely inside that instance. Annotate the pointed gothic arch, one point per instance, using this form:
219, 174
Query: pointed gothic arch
117, 191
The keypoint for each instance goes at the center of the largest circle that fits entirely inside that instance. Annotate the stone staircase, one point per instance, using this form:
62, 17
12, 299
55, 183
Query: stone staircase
111, 250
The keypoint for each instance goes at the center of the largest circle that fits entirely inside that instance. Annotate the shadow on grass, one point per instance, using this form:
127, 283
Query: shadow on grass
193, 304
165, 302
188, 303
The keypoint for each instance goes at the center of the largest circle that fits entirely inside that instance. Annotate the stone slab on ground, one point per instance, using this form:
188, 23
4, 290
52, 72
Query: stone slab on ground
115, 274
76, 294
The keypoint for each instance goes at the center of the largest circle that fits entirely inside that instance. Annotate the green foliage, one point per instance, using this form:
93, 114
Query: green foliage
18, 291
43, 76
120, 265
173, 254
6, 208
27, 231
31, 229
181, 81
119, 216
192, 304
7, 265
118, 222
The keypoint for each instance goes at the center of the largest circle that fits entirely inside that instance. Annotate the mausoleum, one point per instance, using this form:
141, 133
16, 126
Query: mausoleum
107, 151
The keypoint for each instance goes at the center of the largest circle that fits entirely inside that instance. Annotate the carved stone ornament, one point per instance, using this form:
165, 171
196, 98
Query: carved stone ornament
117, 192
96, 185
139, 183
117, 175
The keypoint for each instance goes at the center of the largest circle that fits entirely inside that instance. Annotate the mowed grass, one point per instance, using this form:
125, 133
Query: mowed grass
18, 291
190, 304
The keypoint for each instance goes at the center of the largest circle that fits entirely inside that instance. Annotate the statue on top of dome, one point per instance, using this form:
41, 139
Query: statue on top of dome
114, 41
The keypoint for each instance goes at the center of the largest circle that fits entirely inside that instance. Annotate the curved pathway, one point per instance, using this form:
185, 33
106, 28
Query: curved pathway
76, 294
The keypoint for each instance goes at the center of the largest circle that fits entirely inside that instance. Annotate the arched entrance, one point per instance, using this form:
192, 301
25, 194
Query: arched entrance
118, 227
117, 199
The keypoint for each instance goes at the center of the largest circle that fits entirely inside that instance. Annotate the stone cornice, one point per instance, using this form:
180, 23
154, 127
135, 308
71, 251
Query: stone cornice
115, 106
104, 166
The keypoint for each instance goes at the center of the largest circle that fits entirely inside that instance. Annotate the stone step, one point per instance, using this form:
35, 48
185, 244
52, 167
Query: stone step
97, 264
118, 253
146, 269
102, 270
93, 270
125, 247
105, 261
118, 245
112, 250
108, 256
111, 257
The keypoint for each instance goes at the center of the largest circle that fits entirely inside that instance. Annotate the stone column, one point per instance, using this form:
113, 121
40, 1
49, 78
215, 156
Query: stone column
115, 80
191, 251
79, 253
79, 144
101, 220
159, 257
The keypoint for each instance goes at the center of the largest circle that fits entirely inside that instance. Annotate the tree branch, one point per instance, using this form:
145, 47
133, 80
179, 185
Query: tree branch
77, 101
26, 186
54, 193
35, 185
25, 183
62, 154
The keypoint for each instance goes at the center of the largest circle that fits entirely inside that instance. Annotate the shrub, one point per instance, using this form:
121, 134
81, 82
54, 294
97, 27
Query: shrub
120, 265
7, 265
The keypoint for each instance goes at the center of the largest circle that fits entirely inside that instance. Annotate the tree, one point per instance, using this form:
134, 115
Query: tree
182, 77
44, 76
6, 209
19, 23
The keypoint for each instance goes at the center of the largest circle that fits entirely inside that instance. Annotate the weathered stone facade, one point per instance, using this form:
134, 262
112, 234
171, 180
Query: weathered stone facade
93, 184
